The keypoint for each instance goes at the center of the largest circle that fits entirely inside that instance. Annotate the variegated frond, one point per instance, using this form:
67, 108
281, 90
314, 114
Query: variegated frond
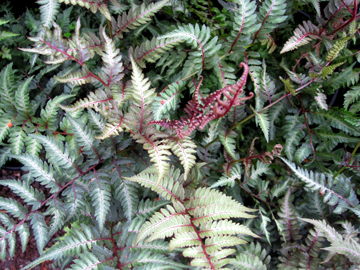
142, 98
158, 150
112, 128
79, 77
79, 239
229, 178
337, 192
100, 101
165, 223
271, 14
302, 36
152, 50
93, 5
135, 17
228, 141
206, 204
48, 9
289, 220
191, 224
245, 24
121, 92
194, 35
112, 71
184, 149
168, 100
56, 152
59, 49
298, 78
191, 220
169, 187
347, 246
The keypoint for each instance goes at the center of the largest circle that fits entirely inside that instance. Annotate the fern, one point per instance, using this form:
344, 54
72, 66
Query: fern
348, 248
142, 142
134, 18
192, 214
338, 192
49, 9
302, 36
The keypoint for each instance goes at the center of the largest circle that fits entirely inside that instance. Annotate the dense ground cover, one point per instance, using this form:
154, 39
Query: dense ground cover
181, 134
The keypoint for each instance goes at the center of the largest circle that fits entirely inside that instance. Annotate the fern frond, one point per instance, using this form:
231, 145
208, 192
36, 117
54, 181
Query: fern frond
40, 230
166, 188
86, 261
228, 141
152, 50
347, 247
245, 24
264, 123
111, 129
218, 206
113, 68
56, 208
97, 100
271, 15
11, 240
7, 89
33, 147
48, 9
326, 71
142, 96
30, 195
158, 152
310, 259
302, 36
147, 260
184, 149
57, 153
101, 197
289, 219
17, 140
93, 6
335, 118
164, 224
76, 241
39, 170
339, 45
302, 152
76, 200
126, 193
23, 100
135, 17
49, 113
195, 36
336, 192
168, 100
259, 256
83, 136
79, 77
229, 180
352, 97
59, 49
14, 208
148, 208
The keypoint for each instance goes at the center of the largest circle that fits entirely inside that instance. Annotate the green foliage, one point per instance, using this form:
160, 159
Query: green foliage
153, 150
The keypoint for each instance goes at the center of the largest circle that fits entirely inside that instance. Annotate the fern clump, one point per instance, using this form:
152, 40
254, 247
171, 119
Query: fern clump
175, 135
